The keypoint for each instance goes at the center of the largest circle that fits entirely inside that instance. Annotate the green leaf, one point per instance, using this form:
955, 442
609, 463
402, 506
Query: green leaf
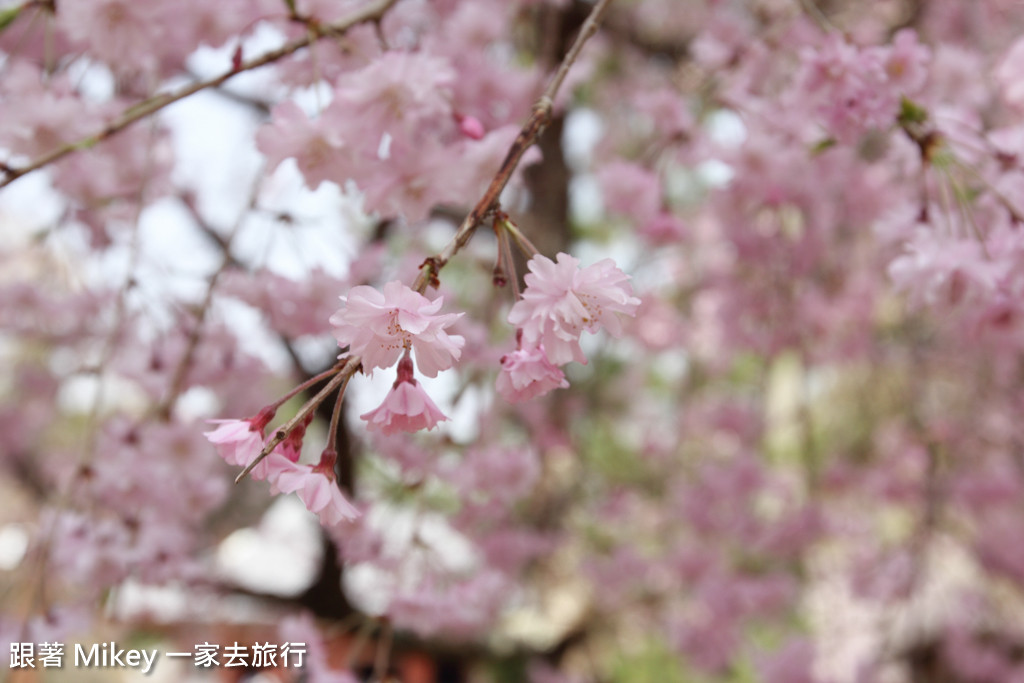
9, 14
823, 145
911, 112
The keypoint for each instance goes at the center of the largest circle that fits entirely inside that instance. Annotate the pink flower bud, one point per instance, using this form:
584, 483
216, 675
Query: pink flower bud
471, 127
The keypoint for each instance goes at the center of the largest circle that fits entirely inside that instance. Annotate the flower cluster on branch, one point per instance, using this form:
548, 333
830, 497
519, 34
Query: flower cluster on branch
673, 336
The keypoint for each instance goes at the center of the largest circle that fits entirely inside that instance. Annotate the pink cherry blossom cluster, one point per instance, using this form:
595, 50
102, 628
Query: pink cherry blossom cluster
561, 301
382, 326
392, 126
857, 89
377, 328
803, 463
240, 442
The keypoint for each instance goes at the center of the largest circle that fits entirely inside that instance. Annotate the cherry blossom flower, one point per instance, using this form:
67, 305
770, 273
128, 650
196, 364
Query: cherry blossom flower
409, 182
286, 452
239, 441
906, 62
315, 485
850, 88
407, 407
126, 35
381, 326
664, 228
630, 190
37, 119
316, 145
948, 271
285, 301
399, 89
562, 300
137, 454
792, 663
527, 373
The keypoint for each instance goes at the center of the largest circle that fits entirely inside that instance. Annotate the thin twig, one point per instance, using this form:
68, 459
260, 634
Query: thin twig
1014, 212
528, 135
308, 383
371, 12
383, 653
254, 103
332, 430
524, 244
589, 29
340, 379
163, 411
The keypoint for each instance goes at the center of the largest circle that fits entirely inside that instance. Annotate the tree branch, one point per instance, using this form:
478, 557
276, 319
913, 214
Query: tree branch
531, 130
371, 12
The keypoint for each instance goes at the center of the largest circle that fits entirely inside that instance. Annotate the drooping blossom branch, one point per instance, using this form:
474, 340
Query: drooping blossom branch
528, 135
371, 12
344, 371
685, 501
531, 130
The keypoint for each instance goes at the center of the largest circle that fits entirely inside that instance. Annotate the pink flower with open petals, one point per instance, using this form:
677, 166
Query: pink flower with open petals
381, 326
398, 89
527, 373
315, 486
239, 441
562, 300
406, 408
315, 144
279, 460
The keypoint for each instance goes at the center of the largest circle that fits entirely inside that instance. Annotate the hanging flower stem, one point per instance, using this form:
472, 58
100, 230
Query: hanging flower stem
344, 374
524, 244
505, 254
528, 135
308, 383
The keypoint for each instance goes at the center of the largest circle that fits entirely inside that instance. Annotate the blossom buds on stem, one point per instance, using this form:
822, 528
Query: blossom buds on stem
237, 440
328, 459
531, 130
505, 266
307, 384
344, 374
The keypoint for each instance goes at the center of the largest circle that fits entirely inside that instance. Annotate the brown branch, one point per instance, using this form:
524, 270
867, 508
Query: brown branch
531, 130
260, 106
177, 385
371, 12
